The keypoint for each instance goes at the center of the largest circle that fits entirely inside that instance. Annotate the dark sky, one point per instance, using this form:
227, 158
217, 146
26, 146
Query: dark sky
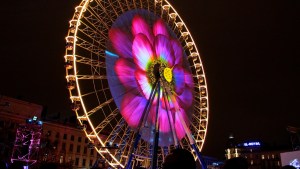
250, 52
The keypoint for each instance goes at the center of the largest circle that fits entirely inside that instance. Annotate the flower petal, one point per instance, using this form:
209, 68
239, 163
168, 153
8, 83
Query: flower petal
125, 71
160, 28
140, 26
164, 125
180, 132
185, 100
178, 51
188, 79
121, 42
178, 73
163, 49
132, 108
143, 83
142, 51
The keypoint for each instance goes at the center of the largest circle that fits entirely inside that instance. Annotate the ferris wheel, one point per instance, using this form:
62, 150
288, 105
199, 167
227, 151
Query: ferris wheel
136, 81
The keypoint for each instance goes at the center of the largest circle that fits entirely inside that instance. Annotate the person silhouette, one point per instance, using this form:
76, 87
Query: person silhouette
288, 167
179, 159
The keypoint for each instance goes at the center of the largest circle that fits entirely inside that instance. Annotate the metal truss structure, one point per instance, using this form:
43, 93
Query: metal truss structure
88, 86
27, 144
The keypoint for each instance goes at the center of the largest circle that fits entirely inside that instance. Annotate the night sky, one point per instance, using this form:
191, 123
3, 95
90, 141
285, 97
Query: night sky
250, 52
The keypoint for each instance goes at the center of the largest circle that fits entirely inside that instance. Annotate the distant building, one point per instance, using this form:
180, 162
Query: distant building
232, 150
60, 143
67, 145
257, 155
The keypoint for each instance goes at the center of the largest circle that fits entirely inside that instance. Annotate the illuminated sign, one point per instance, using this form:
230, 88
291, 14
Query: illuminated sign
252, 144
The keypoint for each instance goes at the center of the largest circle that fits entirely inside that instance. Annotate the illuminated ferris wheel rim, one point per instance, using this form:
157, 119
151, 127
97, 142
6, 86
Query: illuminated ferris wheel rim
78, 97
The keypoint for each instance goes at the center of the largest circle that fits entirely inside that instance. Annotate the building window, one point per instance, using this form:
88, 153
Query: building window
12, 125
69, 159
84, 150
86, 140
63, 147
83, 162
92, 152
61, 159
57, 135
262, 156
78, 149
72, 137
71, 148
77, 161
91, 163
79, 139
65, 136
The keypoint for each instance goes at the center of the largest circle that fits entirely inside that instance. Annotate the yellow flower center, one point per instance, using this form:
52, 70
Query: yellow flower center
168, 74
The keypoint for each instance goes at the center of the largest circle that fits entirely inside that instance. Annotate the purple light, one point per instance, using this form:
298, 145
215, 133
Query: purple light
140, 50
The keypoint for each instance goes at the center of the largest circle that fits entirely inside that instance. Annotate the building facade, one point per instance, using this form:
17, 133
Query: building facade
257, 155
66, 145
62, 144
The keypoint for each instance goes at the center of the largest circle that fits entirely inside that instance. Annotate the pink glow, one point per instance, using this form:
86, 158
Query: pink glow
140, 26
143, 83
124, 48
160, 28
142, 51
163, 49
125, 70
138, 50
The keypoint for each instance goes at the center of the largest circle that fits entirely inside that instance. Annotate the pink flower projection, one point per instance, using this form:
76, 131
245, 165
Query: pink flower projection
145, 54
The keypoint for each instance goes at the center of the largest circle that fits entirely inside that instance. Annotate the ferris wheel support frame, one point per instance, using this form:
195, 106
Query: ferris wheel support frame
156, 136
187, 131
138, 135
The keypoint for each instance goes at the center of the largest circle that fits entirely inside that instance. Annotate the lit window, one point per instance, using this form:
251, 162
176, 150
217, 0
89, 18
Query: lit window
61, 159
262, 156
